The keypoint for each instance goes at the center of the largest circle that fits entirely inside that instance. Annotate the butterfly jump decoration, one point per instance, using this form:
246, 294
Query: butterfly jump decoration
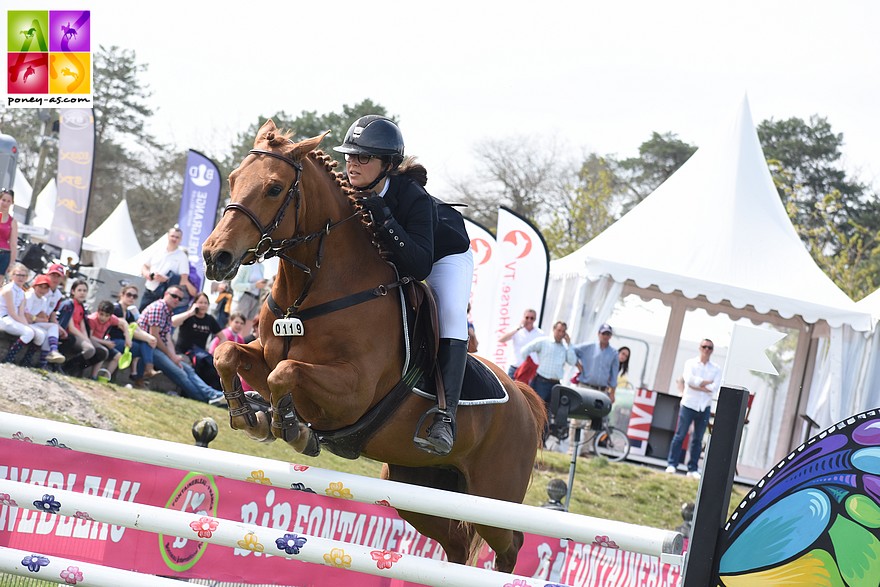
814, 519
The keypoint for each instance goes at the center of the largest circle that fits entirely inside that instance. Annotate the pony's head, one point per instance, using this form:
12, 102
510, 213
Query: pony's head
266, 201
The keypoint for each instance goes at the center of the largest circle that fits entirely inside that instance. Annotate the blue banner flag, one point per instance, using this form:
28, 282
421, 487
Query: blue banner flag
198, 207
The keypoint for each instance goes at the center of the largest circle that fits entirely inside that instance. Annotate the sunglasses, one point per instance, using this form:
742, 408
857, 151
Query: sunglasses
707, 347
130, 294
176, 297
362, 159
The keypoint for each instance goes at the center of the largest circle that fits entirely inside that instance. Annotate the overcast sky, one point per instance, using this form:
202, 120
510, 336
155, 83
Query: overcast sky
597, 76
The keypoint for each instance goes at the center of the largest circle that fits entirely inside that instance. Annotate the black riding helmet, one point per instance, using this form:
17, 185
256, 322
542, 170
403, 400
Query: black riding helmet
376, 136
373, 135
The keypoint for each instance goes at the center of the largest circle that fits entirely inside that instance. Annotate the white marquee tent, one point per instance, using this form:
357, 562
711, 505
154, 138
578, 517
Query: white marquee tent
715, 236
116, 235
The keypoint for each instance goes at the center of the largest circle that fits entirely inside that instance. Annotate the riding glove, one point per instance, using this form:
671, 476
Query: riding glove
375, 205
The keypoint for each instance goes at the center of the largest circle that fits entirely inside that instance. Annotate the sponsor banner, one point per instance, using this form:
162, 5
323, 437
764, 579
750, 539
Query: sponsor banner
301, 510
523, 266
198, 206
483, 247
76, 154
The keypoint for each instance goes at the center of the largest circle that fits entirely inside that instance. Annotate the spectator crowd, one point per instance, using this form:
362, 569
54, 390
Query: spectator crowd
171, 328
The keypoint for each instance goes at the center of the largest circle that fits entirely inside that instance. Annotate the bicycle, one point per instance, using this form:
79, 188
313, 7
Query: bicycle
604, 439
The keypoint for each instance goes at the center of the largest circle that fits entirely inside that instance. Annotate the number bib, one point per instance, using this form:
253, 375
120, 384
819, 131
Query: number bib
288, 327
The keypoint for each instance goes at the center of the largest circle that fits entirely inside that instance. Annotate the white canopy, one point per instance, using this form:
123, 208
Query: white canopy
116, 234
717, 228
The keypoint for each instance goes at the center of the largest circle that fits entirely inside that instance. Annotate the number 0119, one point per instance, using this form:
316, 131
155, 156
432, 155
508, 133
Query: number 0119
288, 327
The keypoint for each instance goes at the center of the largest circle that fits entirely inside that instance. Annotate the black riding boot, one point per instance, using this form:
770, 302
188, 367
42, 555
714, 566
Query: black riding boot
451, 358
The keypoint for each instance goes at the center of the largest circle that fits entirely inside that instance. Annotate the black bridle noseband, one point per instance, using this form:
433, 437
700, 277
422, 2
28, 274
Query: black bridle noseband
266, 247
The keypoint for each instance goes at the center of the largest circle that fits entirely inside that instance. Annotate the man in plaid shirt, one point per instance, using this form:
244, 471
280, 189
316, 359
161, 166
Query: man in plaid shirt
156, 319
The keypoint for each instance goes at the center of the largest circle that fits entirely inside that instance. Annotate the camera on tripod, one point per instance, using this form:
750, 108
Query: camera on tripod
578, 403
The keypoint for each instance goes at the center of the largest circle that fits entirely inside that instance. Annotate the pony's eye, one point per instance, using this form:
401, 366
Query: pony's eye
274, 190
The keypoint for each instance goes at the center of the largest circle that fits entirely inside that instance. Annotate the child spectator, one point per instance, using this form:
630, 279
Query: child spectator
231, 332
75, 327
12, 314
99, 323
41, 316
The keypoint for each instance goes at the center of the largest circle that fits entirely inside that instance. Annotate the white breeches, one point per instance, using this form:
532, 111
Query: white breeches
24, 331
451, 278
50, 328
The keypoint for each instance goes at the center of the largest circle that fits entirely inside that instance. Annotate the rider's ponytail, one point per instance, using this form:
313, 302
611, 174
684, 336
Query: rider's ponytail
413, 170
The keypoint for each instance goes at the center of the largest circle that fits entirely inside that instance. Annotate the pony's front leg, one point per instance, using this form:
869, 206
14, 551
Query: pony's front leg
248, 415
318, 388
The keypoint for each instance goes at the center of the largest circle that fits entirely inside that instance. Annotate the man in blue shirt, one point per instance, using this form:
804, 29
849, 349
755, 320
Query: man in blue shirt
598, 363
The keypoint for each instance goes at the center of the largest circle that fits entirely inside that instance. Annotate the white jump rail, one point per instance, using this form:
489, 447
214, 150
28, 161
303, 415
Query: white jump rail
665, 544
56, 569
313, 549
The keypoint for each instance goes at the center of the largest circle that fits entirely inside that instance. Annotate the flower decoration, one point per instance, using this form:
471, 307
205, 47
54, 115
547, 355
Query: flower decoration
384, 558
21, 437
301, 487
72, 575
518, 583
34, 562
259, 476
6, 499
337, 558
290, 543
48, 504
251, 542
204, 526
383, 502
337, 490
300, 468
53, 442
83, 516
605, 542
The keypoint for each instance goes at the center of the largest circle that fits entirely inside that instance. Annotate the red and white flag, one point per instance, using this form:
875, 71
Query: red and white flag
523, 265
484, 249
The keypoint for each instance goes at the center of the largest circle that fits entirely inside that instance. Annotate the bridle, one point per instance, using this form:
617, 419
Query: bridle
268, 247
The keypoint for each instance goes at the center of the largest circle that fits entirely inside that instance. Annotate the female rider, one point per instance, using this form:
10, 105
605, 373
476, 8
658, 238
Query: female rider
426, 239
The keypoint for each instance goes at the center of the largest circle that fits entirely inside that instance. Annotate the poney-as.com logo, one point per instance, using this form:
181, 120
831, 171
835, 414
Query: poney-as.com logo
48, 58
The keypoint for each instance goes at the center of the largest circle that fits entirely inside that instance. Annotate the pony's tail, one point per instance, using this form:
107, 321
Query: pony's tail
536, 406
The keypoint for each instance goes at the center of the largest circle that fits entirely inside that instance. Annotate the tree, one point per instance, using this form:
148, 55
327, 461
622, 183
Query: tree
837, 218
129, 161
527, 175
586, 210
306, 125
659, 157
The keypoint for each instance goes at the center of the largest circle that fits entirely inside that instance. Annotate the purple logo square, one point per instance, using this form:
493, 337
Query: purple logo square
70, 30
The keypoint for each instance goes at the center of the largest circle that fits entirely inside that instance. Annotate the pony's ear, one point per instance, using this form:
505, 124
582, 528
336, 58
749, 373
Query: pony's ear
267, 129
303, 147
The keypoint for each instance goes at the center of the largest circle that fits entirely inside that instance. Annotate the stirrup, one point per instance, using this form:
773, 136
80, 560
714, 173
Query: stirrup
423, 443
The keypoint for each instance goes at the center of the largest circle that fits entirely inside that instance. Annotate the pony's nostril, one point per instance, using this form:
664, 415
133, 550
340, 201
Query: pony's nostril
223, 260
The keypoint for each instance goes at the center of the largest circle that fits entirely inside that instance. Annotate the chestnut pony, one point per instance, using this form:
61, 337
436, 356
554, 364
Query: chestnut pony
286, 200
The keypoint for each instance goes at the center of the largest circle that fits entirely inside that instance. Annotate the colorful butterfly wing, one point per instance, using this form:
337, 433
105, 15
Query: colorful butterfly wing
814, 519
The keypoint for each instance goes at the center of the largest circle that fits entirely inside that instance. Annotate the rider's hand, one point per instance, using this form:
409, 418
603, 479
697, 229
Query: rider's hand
375, 205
